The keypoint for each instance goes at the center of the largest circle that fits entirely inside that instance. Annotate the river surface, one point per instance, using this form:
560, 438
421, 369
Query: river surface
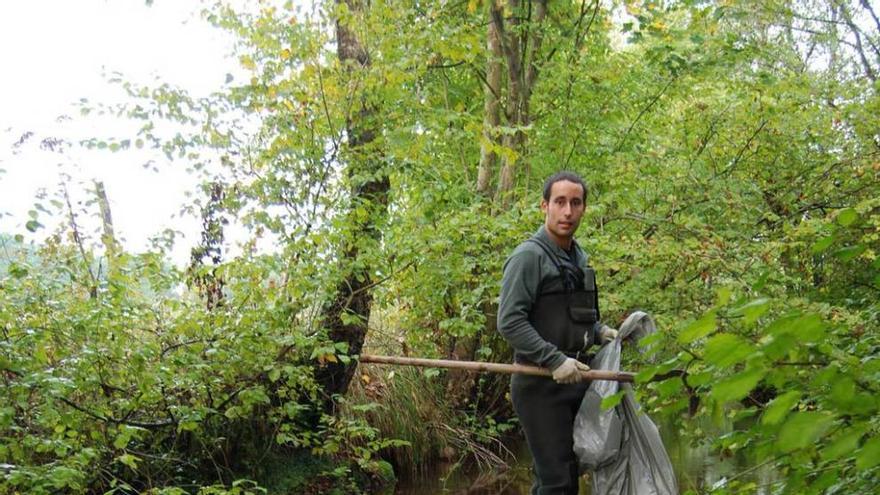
695, 469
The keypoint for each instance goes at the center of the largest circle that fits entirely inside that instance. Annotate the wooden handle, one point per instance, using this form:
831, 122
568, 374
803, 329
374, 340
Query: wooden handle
617, 376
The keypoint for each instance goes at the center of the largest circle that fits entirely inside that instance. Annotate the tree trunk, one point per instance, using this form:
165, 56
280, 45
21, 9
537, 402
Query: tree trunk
521, 45
109, 237
491, 109
515, 42
348, 313
860, 50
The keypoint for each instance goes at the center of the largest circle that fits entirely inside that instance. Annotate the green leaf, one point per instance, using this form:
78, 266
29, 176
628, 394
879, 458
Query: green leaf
612, 400
806, 328
809, 328
822, 244
737, 386
779, 408
726, 349
698, 329
649, 372
843, 444
17, 271
129, 460
869, 456
668, 388
847, 217
187, 426
843, 391
32, 225
646, 374
648, 340
752, 310
783, 324
121, 440
849, 253
802, 429
274, 375
722, 296
699, 379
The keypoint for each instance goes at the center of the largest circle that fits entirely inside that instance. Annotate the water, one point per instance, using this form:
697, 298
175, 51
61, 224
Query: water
695, 469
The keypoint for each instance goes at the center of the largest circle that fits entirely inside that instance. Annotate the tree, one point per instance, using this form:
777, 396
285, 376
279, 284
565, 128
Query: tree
348, 313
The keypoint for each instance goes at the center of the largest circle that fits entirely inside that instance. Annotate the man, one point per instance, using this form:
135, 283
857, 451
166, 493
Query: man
549, 313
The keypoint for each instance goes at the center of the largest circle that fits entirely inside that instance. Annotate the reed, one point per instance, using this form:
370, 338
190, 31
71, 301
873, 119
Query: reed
410, 406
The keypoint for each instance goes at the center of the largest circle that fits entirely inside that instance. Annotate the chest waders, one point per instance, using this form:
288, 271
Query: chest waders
567, 306
564, 312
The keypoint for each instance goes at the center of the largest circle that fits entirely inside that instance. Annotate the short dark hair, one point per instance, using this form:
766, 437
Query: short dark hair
560, 176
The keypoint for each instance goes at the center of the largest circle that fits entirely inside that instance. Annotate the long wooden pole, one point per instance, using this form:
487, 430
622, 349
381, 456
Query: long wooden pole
617, 376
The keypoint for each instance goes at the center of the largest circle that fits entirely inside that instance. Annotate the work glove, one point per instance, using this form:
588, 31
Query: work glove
569, 371
607, 334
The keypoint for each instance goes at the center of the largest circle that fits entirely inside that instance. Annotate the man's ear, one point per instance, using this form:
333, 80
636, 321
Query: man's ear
544, 205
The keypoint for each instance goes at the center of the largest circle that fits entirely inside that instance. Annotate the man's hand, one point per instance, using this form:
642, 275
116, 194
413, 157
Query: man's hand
569, 371
607, 334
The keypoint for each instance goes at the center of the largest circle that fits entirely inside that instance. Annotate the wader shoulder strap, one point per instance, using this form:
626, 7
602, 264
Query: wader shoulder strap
549, 252
553, 259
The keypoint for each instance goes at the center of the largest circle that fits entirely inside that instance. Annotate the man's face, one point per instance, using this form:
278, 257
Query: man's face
563, 212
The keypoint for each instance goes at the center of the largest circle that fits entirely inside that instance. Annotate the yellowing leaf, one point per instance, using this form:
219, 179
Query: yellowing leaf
247, 62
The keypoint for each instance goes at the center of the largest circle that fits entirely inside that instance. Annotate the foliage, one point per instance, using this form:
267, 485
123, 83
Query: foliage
731, 150
141, 386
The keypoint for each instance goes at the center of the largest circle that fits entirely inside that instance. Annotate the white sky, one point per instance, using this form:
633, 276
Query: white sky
54, 52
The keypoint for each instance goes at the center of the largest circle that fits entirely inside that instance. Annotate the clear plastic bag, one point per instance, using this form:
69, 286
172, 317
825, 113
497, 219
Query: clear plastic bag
621, 446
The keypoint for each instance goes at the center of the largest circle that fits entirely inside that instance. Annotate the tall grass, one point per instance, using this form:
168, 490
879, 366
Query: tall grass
412, 406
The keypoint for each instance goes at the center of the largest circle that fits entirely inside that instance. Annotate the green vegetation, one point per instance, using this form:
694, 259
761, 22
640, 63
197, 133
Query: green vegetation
733, 156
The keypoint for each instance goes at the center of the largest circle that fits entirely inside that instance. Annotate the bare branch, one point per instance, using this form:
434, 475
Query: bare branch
867, 5
107, 419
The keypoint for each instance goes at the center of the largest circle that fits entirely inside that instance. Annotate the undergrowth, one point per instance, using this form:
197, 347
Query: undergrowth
411, 406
